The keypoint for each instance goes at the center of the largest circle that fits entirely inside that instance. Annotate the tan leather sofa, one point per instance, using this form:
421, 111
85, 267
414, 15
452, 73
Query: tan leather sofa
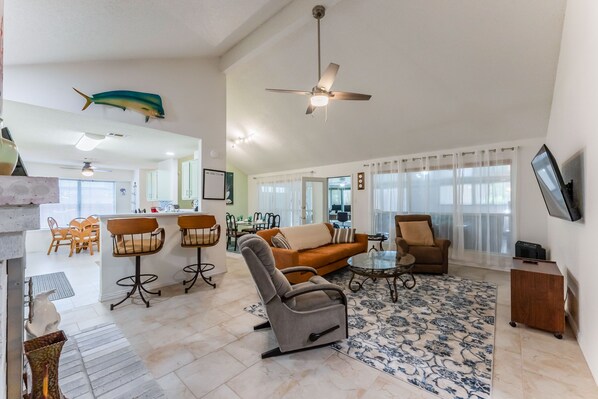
428, 259
324, 259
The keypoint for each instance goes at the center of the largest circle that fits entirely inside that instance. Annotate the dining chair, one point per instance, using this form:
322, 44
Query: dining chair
93, 223
58, 235
232, 231
273, 221
266, 218
82, 238
77, 222
258, 217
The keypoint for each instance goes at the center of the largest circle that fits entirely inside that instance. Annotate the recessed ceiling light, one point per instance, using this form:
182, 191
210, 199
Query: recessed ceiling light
169, 153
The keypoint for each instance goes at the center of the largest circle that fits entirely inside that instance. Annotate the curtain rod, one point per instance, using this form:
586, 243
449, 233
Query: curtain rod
436, 156
290, 174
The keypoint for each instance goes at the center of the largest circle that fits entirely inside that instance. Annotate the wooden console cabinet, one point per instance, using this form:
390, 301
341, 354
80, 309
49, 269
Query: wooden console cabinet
537, 295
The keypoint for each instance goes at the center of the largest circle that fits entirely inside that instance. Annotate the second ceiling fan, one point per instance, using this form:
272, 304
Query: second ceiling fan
321, 94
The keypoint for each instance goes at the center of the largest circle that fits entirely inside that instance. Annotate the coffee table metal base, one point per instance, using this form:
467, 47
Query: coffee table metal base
406, 278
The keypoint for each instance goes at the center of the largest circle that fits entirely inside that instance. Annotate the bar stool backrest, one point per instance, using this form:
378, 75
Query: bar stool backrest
135, 236
199, 230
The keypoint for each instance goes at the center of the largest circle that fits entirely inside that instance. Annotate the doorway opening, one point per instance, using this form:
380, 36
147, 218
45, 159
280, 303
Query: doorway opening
339, 200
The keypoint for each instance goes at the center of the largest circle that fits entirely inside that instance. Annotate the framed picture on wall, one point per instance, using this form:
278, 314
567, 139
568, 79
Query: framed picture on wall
230, 188
213, 184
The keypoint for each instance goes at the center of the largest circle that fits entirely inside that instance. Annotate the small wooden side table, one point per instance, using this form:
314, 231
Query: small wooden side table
537, 295
380, 238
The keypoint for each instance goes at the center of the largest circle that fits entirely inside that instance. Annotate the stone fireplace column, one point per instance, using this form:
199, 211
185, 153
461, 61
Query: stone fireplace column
20, 198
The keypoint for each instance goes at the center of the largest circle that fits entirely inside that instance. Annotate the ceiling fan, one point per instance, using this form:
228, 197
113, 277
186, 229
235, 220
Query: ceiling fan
87, 170
321, 93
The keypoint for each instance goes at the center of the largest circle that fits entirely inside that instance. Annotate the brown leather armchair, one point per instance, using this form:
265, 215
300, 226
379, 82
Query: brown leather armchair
428, 259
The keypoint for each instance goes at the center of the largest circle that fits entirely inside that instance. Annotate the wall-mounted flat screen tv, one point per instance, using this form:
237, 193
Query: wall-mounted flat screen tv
558, 196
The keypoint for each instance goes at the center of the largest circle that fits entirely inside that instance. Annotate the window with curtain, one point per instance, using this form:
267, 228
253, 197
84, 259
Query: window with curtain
469, 197
80, 198
281, 195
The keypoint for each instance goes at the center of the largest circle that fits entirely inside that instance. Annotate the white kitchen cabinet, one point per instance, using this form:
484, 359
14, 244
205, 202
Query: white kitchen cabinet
158, 186
151, 189
189, 180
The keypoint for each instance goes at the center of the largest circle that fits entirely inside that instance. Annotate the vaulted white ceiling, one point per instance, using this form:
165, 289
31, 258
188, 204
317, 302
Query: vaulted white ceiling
40, 31
443, 74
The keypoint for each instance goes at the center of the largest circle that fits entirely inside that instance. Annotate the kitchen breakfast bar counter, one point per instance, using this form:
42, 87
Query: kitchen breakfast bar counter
167, 264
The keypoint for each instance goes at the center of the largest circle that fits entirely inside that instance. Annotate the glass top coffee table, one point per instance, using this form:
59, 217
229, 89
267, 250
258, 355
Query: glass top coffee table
382, 264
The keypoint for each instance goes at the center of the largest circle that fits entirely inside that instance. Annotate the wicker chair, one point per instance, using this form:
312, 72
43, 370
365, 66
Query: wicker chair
59, 234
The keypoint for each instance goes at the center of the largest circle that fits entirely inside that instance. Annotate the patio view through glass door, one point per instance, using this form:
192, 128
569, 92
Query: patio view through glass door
339, 201
314, 208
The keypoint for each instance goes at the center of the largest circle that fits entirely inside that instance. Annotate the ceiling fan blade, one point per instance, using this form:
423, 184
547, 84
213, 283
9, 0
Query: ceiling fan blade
328, 77
345, 95
310, 109
301, 92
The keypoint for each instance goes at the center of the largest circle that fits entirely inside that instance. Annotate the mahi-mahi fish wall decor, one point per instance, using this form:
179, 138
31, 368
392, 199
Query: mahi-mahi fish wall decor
147, 104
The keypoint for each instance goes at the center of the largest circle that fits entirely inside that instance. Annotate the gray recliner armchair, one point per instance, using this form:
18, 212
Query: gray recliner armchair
303, 316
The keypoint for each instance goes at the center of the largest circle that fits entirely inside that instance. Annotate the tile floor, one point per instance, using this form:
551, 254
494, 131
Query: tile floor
201, 345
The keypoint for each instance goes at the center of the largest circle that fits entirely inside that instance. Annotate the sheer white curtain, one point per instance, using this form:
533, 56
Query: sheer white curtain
386, 196
281, 195
470, 197
484, 225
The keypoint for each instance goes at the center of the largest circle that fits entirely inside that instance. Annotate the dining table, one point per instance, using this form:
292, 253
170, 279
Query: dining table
247, 224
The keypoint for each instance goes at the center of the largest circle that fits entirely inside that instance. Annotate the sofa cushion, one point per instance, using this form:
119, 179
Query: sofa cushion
417, 233
322, 256
426, 255
307, 236
341, 236
279, 241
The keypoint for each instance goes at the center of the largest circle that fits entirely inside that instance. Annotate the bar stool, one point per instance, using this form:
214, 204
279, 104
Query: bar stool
198, 231
136, 237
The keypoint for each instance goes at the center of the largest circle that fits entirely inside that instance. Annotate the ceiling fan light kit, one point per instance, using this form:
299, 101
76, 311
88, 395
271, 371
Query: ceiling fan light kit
321, 94
87, 170
319, 100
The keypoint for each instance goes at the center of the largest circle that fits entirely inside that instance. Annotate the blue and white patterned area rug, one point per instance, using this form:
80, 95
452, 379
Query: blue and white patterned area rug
438, 336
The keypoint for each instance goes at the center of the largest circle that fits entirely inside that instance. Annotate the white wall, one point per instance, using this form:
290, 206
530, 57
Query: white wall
193, 93
573, 128
531, 213
122, 199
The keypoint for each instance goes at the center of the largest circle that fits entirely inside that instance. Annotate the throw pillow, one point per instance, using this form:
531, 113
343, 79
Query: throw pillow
341, 236
417, 233
279, 241
307, 236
